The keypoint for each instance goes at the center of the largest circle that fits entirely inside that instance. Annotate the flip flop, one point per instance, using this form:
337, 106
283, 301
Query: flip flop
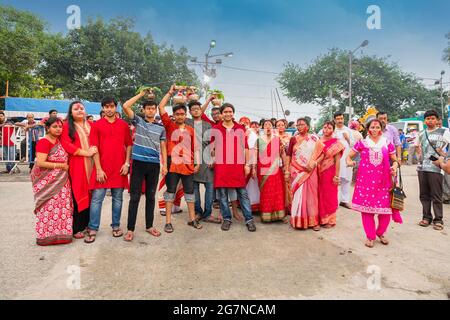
129, 236
195, 224
117, 233
424, 223
90, 238
438, 226
79, 235
153, 232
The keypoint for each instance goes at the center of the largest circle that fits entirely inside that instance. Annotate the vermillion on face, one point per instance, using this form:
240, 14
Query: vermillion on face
327, 130
55, 129
78, 112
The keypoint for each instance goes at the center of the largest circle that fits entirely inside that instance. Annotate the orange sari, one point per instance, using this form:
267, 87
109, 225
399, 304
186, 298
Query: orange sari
304, 185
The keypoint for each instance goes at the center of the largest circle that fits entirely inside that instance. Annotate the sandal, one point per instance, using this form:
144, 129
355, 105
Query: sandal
195, 224
168, 228
90, 237
383, 240
424, 223
328, 226
153, 232
212, 219
438, 226
117, 233
129, 236
79, 235
316, 228
370, 243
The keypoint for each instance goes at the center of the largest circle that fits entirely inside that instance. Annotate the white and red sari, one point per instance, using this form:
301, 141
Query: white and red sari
53, 198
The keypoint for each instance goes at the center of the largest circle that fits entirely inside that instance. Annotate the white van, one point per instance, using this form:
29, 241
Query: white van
408, 124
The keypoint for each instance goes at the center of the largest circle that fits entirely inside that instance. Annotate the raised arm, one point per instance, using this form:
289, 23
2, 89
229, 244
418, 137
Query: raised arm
165, 100
127, 105
206, 104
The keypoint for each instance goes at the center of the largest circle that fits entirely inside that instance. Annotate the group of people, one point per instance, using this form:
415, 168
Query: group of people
300, 179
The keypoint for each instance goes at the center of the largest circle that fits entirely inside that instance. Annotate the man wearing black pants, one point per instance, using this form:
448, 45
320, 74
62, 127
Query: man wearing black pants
430, 144
149, 151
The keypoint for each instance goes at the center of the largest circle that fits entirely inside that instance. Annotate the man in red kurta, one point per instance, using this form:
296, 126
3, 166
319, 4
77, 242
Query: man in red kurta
231, 165
112, 137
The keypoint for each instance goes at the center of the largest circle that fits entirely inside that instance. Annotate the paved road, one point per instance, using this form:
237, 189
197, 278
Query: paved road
276, 262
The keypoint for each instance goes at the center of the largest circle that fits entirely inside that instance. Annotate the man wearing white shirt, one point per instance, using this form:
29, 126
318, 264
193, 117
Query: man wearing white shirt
344, 135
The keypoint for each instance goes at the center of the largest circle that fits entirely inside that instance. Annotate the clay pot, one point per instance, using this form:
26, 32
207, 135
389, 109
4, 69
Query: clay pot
216, 102
179, 100
193, 97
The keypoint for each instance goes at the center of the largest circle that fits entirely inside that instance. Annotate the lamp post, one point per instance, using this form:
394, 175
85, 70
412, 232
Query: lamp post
350, 111
439, 82
209, 73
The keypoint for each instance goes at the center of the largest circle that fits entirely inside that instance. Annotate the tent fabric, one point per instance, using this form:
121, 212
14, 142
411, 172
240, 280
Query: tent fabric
16, 107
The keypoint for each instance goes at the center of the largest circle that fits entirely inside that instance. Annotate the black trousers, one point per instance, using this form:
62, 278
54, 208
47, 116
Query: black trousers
430, 185
80, 219
148, 172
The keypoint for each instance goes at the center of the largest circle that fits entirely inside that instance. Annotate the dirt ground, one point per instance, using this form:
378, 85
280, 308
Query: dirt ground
276, 262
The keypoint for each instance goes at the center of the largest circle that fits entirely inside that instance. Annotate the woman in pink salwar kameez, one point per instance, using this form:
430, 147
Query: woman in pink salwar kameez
301, 170
373, 183
329, 176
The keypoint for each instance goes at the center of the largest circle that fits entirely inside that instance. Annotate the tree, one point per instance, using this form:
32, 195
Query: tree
375, 82
21, 37
109, 58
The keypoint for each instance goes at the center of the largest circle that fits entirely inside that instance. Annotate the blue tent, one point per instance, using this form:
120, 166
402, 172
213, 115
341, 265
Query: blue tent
19, 107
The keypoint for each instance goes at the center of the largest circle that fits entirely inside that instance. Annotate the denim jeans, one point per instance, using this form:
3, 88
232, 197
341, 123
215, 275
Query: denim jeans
243, 200
98, 195
9, 153
209, 195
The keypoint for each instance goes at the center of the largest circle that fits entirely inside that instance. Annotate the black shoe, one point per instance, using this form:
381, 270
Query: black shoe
226, 225
345, 205
251, 226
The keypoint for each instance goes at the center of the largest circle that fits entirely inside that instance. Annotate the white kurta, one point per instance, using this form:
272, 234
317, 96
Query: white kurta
346, 172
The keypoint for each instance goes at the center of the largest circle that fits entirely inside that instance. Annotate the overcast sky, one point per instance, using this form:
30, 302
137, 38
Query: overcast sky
264, 35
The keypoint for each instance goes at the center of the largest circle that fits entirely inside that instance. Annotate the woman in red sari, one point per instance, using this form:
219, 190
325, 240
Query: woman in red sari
51, 188
75, 140
329, 176
301, 170
269, 171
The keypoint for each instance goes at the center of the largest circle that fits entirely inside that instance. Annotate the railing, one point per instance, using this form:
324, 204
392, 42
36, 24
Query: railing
16, 146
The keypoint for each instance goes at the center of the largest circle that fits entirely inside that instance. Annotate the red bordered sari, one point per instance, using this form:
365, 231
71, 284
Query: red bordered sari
271, 180
53, 200
328, 191
80, 168
304, 185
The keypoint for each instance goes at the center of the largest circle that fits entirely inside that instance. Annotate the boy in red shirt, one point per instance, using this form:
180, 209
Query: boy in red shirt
180, 159
231, 165
112, 138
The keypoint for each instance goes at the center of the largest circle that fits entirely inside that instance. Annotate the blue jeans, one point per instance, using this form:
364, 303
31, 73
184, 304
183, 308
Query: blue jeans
209, 195
243, 200
98, 195
9, 153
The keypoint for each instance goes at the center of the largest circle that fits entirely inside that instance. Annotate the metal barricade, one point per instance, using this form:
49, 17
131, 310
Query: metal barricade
14, 147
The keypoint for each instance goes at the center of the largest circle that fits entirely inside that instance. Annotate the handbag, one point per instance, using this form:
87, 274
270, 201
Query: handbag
398, 196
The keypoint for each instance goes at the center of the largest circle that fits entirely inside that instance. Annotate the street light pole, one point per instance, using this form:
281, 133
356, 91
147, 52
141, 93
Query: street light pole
350, 111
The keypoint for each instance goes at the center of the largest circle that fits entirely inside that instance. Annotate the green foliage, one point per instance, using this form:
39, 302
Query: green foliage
376, 81
109, 58
219, 94
21, 37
